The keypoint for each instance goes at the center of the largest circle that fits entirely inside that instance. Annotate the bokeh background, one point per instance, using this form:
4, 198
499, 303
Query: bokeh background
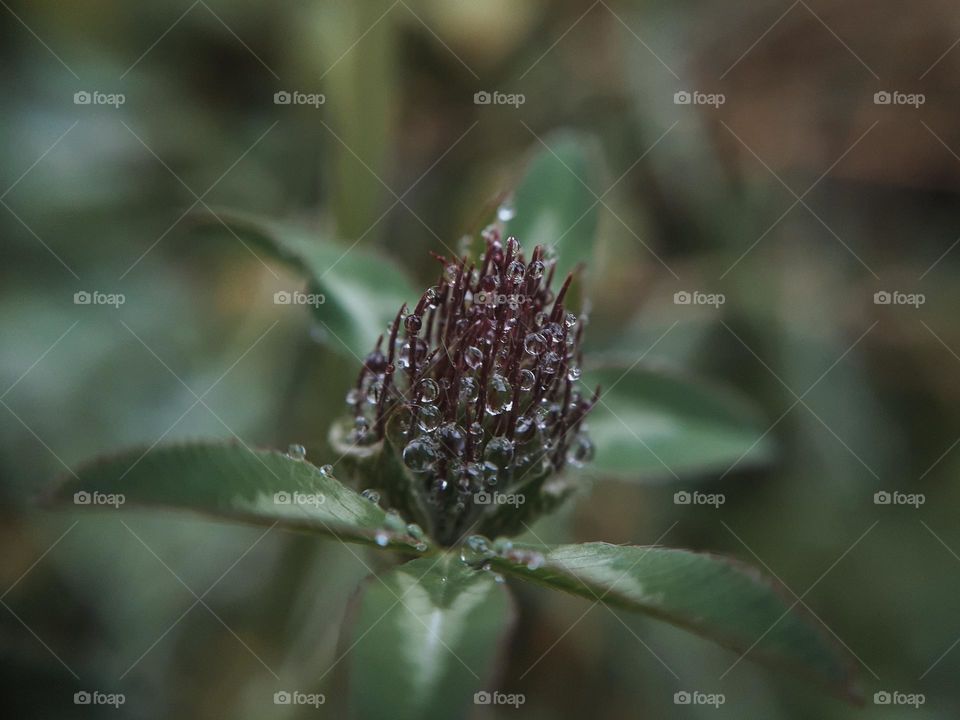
798, 198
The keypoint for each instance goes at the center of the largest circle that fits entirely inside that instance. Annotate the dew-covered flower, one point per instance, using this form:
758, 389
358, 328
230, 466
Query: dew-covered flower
468, 407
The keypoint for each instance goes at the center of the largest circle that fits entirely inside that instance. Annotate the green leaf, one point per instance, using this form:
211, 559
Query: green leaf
554, 204
426, 638
719, 598
362, 290
653, 425
229, 481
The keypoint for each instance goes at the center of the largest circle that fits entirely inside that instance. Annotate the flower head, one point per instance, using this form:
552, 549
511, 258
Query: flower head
475, 392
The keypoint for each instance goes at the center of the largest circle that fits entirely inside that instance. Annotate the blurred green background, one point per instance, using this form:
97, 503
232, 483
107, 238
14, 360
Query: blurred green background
798, 198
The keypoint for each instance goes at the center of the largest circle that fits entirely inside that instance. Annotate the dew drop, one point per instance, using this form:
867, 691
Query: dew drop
469, 389
413, 323
428, 418
506, 212
516, 272
476, 549
420, 455
581, 450
534, 343
394, 522
499, 396
326, 470
381, 538
527, 379
570, 320
296, 452
428, 390
451, 438
536, 269
472, 357
371, 495
499, 452
573, 373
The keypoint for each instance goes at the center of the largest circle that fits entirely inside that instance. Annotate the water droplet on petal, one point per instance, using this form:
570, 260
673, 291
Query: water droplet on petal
506, 212
420, 455
499, 395
371, 495
428, 418
381, 538
527, 379
476, 549
499, 452
394, 522
428, 390
451, 438
535, 344
581, 450
326, 470
472, 357
296, 452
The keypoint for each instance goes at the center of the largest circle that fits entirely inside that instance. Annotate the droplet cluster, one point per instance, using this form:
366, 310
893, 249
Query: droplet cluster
477, 384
